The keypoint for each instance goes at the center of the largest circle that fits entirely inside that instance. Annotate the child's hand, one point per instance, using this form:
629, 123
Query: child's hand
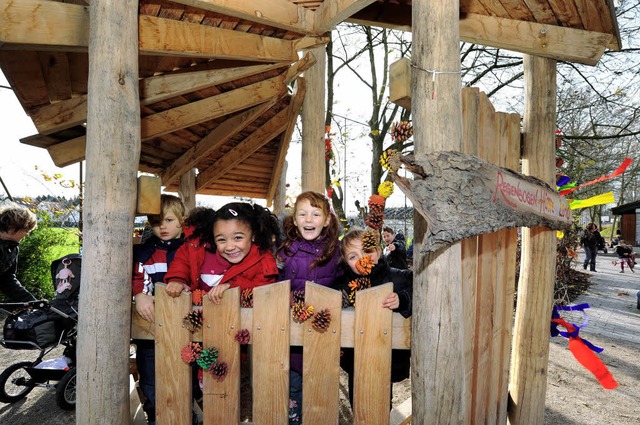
144, 306
215, 294
174, 289
391, 301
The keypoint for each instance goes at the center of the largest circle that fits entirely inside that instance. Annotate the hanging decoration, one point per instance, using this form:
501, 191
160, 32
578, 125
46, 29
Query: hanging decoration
301, 311
582, 350
364, 265
401, 131
219, 370
197, 295
246, 298
321, 320
328, 149
193, 320
242, 336
621, 169
191, 352
602, 199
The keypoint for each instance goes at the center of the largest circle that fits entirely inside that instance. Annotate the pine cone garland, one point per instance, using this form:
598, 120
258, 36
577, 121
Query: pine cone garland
207, 357
196, 296
374, 221
364, 265
385, 189
321, 320
242, 336
219, 370
246, 298
369, 240
390, 160
301, 311
401, 131
193, 320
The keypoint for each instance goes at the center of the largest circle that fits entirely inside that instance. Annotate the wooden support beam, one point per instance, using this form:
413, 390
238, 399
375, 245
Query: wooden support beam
312, 156
255, 141
296, 104
276, 13
211, 107
550, 41
55, 69
179, 38
213, 141
331, 13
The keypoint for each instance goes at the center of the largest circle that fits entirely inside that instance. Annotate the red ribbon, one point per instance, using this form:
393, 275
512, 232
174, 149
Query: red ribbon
621, 169
587, 358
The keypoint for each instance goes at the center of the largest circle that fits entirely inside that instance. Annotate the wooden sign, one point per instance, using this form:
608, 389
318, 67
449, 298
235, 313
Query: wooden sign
461, 196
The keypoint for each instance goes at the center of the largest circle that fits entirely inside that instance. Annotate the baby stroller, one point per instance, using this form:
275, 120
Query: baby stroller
45, 325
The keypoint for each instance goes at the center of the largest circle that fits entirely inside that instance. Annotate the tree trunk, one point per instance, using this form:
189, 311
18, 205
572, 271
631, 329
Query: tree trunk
530, 354
437, 366
112, 153
313, 162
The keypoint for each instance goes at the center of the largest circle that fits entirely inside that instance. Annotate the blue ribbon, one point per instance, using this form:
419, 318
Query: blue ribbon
580, 307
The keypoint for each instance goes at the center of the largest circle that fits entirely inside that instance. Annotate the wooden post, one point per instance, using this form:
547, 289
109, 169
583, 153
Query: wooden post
280, 196
313, 164
188, 189
438, 368
537, 270
112, 153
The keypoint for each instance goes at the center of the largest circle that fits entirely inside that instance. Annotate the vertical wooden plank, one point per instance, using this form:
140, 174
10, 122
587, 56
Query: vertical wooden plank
221, 399
437, 360
188, 189
469, 249
321, 352
528, 378
113, 153
510, 158
484, 394
313, 163
173, 376
270, 369
372, 357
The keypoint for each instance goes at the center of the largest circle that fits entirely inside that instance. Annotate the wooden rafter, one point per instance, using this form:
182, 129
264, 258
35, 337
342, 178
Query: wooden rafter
331, 12
276, 13
251, 144
213, 141
535, 39
294, 110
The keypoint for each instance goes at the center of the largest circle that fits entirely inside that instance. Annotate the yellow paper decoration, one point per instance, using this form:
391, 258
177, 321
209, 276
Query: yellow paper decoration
602, 199
385, 189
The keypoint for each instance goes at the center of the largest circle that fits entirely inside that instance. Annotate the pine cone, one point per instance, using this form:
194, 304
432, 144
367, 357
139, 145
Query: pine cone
301, 311
369, 240
242, 336
321, 320
390, 160
364, 265
191, 352
193, 320
207, 357
359, 283
219, 370
374, 221
246, 298
297, 295
196, 296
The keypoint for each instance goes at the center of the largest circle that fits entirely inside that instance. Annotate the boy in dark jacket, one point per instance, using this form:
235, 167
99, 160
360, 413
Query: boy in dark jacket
362, 254
16, 222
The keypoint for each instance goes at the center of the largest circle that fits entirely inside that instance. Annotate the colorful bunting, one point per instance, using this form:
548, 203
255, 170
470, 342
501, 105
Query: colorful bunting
602, 199
621, 169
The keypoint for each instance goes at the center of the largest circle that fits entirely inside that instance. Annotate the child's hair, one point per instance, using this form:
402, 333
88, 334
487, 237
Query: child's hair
387, 229
331, 232
169, 203
263, 223
14, 218
359, 234
201, 220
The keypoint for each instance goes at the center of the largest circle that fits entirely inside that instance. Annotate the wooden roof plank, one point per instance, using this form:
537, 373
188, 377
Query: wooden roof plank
535, 39
263, 135
167, 36
595, 14
69, 152
61, 115
541, 11
331, 13
276, 13
296, 104
211, 107
213, 141
517, 9
567, 13
55, 69
24, 74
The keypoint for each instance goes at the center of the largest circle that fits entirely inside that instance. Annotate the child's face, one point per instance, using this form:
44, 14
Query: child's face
388, 237
310, 220
353, 252
233, 239
14, 236
168, 228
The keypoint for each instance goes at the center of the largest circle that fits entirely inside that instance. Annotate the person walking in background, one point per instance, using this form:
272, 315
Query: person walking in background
395, 251
625, 255
310, 252
16, 222
590, 240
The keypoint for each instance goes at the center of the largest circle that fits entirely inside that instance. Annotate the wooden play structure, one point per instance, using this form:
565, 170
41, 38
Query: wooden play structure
216, 86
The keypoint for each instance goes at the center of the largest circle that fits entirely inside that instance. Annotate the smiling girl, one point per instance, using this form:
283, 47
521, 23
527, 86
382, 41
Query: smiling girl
227, 249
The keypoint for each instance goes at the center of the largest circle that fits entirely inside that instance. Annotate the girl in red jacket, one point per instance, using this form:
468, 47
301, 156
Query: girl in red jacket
228, 248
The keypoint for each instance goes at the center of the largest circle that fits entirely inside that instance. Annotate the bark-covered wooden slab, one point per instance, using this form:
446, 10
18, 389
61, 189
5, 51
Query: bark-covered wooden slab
461, 196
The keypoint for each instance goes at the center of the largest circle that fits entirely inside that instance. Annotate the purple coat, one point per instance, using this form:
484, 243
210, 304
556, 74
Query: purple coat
295, 267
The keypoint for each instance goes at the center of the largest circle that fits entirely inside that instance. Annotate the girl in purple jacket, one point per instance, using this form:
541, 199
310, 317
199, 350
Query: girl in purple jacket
310, 252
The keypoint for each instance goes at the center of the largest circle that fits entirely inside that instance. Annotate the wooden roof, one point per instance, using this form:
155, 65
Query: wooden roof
216, 76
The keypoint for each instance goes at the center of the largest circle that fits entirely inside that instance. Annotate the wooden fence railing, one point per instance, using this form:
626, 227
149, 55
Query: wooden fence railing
370, 329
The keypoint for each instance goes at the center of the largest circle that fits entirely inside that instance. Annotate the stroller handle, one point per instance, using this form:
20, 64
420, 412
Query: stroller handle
37, 304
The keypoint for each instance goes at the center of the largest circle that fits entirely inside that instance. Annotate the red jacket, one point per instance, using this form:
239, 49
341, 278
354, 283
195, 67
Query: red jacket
256, 269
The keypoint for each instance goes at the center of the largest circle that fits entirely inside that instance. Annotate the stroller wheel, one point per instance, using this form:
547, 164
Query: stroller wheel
66, 391
15, 382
